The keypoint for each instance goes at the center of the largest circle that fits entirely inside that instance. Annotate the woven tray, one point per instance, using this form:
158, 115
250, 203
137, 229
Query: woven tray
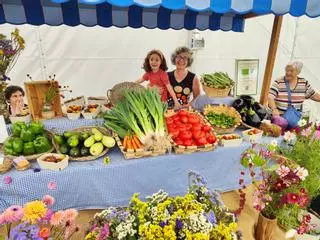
35, 156
138, 153
103, 130
179, 149
230, 111
115, 94
6, 166
216, 92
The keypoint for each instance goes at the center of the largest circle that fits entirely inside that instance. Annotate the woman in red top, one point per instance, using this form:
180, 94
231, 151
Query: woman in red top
155, 66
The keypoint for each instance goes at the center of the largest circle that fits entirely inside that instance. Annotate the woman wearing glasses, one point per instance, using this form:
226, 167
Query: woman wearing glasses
183, 82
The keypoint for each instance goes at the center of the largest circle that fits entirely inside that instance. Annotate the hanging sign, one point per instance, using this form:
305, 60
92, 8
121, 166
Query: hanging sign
247, 76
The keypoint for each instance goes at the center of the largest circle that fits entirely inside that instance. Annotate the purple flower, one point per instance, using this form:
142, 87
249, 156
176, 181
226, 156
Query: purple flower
25, 232
211, 217
162, 224
179, 224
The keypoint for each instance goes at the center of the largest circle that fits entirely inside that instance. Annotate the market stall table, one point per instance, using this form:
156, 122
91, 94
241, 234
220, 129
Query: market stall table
94, 184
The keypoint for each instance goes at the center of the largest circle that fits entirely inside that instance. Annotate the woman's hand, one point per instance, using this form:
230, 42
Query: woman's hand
177, 105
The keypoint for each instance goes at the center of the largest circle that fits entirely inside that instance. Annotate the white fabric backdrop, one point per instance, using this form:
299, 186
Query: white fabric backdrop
92, 60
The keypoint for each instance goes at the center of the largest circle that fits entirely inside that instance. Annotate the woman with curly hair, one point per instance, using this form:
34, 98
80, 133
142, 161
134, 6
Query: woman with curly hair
184, 82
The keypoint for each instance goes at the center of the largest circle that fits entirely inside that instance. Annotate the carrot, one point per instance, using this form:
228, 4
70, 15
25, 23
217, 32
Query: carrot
137, 141
129, 144
134, 144
125, 141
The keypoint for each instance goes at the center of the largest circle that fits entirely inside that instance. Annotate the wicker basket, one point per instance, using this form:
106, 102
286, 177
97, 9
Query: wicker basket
116, 93
78, 101
6, 165
35, 156
216, 92
138, 153
230, 111
179, 149
103, 130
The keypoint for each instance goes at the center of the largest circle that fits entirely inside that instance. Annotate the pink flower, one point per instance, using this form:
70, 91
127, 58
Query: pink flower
278, 186
303, 200
283, 171
70, 214
317, 134
70, 229
301, 172
306, 132
48, 215
293, 198
7, 180
13, 214
48, 200
52, 185
2, 220
56, 218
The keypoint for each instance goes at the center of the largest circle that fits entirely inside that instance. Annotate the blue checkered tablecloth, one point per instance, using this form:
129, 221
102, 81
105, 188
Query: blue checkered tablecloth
92, 184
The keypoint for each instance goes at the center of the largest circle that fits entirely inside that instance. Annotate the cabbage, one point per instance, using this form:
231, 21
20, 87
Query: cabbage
280, 121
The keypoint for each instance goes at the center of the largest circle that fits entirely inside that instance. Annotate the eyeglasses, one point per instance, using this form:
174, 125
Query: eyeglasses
185, 58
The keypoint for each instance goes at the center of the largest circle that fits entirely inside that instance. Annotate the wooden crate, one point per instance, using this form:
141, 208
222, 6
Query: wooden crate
35, 91
138, 153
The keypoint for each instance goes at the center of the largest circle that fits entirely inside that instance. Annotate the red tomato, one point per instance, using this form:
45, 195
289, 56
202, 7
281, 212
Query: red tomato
196, 134
187, 142
174, 133
182, 113
182, 128
201, 141
188, 126
171, 129
206, 128
169, 120
184, 119
186, 135
196, 127
176, 118
202, 134
193, 119
178, 141
211, 139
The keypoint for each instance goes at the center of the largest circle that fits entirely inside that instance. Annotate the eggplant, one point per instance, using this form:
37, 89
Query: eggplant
253, 120
260, 110
238, 104
248, 100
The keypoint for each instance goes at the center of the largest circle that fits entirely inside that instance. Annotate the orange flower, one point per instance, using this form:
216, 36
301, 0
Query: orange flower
56, 218
44, 233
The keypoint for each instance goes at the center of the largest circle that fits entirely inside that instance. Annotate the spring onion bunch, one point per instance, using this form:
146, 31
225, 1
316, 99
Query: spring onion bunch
140, 112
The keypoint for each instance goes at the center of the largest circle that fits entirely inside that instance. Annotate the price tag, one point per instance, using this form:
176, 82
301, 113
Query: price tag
1, 159
3, 129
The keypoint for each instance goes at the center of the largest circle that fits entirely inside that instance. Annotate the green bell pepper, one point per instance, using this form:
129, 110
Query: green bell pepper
28, 148
36, 127
41, 144
8, 142
17, 127
27, 135
9, 151
17, 145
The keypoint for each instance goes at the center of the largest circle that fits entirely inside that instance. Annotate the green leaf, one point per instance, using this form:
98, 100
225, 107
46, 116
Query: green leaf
258, 161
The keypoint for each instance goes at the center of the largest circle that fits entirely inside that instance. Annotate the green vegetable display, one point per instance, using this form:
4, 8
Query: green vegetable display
17, 127
17, 145
36, 127
27, 135
216, 80
221, 120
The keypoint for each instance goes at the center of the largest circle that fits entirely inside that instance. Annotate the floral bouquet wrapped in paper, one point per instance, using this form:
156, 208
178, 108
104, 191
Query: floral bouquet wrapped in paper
35, 220
199, 214
280, 192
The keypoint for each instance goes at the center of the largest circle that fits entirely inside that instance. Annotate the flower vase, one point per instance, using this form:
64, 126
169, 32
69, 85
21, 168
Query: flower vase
3, 104
265, 229
47, 111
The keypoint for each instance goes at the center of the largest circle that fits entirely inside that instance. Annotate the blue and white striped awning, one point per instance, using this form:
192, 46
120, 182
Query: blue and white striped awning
176, 14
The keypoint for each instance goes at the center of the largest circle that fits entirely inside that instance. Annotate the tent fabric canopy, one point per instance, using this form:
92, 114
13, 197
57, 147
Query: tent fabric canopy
226, 15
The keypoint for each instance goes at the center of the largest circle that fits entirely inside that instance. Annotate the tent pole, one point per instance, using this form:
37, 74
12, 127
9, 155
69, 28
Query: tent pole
273, 46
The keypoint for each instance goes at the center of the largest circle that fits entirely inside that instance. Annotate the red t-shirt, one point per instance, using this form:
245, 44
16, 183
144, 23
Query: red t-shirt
158, 79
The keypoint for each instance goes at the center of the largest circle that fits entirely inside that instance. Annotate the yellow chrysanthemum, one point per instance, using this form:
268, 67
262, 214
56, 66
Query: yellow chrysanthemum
196, 236
223, 232
33, 211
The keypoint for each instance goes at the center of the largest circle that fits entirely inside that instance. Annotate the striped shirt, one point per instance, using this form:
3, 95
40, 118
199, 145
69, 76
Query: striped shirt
301, 92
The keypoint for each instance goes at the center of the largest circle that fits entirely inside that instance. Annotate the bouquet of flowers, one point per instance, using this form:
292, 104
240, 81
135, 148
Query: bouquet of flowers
35, 220
280, 191
10, 50
199, 214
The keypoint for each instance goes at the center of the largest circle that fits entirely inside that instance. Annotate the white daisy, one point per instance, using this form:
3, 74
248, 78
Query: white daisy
301, 172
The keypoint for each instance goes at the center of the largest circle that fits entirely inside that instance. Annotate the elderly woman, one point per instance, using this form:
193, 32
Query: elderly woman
299, 87
183, 82
14, 96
